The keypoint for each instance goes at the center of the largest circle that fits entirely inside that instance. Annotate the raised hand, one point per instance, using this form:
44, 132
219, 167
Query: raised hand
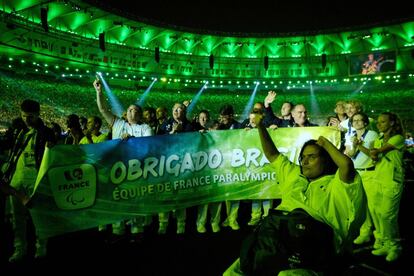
322, 141
98, 86
271, 96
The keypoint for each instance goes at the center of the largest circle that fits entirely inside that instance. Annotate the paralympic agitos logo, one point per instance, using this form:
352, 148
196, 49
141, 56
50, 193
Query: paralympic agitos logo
73, 187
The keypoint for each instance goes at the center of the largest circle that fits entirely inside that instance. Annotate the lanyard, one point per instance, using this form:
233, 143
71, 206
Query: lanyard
358, 151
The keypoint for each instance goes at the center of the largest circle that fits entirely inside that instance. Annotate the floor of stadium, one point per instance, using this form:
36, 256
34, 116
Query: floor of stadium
189, 254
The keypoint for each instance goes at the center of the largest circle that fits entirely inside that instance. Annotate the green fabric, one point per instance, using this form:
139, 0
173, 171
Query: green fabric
82, 186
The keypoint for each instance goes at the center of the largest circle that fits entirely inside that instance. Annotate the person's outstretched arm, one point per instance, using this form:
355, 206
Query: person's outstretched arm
268, 146
102, 106
345, 165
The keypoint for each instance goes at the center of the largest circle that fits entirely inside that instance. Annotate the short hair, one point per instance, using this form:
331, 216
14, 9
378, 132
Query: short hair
290, 103
365, 118
227, 109
83, 120
212, 124
295, 107
139, 108
149, 109
72, 120
205, 111
30, 106
356, 104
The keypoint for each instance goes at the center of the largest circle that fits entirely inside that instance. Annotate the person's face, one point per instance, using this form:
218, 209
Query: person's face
286, 109
340, 108
311, 162
258, 107
299, 114
133, 114
178, 112
202, 119
225, 119
90, 125
358, 122
350, 110
29, 118
161, 113
252, 120
82, 122
384, 124
146, 116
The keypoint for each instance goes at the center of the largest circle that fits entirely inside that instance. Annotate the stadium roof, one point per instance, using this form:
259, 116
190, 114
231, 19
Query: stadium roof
262, 16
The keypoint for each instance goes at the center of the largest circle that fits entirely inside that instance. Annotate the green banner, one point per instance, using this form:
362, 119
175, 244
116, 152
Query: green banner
80, 187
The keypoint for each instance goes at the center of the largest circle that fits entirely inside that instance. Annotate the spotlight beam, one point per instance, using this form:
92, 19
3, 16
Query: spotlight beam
195, 99
316, 111
250, 103
141, 101
114, 103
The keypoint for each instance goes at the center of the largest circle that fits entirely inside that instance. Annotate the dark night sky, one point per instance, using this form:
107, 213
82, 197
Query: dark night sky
264, 16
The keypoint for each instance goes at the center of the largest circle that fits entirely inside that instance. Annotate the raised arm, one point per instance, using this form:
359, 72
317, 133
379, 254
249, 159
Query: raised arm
271, 96
270, 118
345, 165
102, 105
268, 146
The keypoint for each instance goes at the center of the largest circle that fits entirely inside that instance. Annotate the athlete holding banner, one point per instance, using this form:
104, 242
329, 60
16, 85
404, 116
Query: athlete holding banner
133, 126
